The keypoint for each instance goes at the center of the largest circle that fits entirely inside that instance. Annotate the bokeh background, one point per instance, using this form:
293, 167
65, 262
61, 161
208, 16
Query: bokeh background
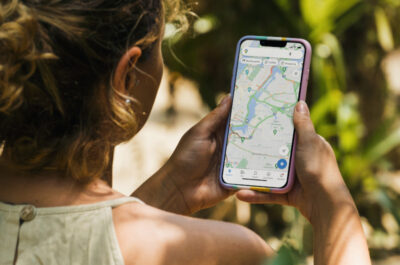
354, 95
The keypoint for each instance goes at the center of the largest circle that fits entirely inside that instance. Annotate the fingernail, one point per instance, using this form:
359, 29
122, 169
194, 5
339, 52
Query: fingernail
302, 107
225, 100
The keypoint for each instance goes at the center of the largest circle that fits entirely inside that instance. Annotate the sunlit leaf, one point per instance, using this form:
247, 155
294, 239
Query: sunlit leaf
326, 104
332, 42
381, 148
383, 198
205, 24
284, 4
354, 168
385, 35
286, 255
321, 15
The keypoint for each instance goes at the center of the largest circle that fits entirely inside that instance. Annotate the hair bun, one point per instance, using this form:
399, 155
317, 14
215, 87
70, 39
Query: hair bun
18, 52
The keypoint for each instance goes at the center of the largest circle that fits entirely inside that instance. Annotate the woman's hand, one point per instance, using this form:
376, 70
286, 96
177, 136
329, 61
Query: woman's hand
318, 176
188, 182
322, 197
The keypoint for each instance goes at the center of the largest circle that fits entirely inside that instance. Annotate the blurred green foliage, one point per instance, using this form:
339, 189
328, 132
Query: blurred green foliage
353, 103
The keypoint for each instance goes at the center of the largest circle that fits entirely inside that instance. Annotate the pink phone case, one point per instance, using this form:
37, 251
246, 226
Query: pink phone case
302, 96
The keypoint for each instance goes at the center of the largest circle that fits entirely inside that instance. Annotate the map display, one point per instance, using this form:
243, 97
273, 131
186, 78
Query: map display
261, 130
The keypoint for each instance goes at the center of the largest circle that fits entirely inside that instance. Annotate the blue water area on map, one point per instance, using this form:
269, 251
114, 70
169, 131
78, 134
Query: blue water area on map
253, 102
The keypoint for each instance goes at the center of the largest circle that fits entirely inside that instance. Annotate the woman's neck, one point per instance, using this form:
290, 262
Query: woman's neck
50, 189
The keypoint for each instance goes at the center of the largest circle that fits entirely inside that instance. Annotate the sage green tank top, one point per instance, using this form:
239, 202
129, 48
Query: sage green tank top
82, 234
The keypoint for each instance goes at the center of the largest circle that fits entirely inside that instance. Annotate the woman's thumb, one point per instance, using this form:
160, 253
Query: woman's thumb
302, 122
218, 116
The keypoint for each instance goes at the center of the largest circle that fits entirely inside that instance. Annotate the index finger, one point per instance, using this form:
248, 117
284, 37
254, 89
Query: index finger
262, 198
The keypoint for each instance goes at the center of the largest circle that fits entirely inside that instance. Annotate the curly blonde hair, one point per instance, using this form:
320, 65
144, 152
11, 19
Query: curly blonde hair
58, 107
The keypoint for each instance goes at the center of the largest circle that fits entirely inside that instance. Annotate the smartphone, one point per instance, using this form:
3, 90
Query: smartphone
270, 76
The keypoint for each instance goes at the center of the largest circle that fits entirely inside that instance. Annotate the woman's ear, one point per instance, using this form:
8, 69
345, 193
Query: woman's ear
125, 64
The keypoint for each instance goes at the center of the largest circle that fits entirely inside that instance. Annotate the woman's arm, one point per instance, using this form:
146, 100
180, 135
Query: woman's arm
338, 235
161, 192
147, 235
188, 182
322, 197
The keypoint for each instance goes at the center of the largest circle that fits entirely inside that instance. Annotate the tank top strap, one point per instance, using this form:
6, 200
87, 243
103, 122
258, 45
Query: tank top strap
117, 202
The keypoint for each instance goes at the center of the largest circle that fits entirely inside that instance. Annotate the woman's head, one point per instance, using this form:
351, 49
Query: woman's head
69, 71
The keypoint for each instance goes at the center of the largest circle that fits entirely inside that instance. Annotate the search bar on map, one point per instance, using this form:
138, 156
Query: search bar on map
276, 53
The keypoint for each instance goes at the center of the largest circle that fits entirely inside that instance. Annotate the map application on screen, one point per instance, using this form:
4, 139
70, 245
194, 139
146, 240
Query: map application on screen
261, 130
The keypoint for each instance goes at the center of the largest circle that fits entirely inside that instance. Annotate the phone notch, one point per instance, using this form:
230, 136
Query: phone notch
273, 43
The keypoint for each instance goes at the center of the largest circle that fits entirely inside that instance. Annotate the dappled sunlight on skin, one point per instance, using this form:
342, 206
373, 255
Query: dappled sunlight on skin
150, 231
343, 227
157, 237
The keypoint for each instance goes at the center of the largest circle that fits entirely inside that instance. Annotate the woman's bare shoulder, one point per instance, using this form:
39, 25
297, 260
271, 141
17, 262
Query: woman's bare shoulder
147, 235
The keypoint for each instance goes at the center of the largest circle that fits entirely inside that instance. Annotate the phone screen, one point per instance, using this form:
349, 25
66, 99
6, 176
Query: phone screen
261, 132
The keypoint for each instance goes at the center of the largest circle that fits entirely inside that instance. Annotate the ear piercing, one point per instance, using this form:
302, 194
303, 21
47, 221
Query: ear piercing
128, 102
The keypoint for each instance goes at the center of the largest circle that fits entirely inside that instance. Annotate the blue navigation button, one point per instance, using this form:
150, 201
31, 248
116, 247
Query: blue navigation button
282, 164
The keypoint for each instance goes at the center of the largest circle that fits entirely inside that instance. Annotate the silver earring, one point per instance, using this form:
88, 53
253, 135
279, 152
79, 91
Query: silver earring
128, 101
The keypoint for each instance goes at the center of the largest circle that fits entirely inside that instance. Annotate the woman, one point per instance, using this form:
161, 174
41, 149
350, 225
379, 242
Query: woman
79, 77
